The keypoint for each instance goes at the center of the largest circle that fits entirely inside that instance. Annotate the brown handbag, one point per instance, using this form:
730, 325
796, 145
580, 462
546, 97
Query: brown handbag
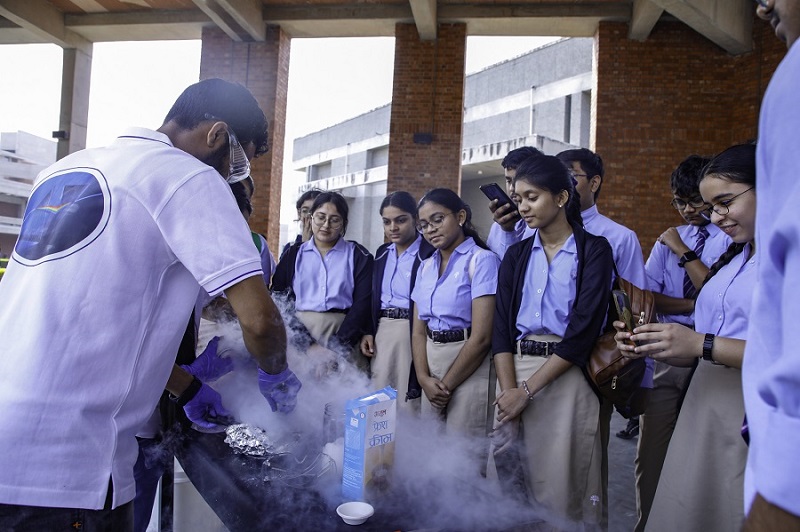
617, 378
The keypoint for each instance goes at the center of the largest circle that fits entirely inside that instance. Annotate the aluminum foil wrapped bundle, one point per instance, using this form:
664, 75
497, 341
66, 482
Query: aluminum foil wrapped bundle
248, 439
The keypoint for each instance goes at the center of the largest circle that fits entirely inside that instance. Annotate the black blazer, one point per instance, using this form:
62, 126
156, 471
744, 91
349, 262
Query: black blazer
595, 266
357, 320
381, 256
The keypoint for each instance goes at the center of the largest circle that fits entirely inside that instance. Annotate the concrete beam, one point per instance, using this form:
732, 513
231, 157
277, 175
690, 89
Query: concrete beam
643, 19
727, 23
425, 18
43, 20
223, 19
139, 25
247, 13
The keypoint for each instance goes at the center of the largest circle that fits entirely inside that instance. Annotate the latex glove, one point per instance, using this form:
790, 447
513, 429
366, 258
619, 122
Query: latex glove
279, 390
209, 366
206, 407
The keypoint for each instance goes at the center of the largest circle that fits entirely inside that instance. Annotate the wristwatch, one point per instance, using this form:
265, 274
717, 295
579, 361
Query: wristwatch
708, 346
689, 256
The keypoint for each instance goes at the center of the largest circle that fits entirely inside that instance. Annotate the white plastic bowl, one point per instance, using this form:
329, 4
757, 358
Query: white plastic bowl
355, 513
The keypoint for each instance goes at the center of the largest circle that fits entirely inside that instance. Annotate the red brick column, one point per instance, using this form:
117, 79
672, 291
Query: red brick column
263, 67
428, 98
658, 101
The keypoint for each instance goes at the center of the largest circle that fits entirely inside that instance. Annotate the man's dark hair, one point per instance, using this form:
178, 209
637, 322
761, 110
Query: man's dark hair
515, 157
310, 194
685, 179
217, 99
591, 163
242, 196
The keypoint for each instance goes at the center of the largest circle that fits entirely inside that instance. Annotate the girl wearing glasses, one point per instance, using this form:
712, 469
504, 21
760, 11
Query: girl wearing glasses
329, 280
396, 265
454, 306
701, 484
552, 298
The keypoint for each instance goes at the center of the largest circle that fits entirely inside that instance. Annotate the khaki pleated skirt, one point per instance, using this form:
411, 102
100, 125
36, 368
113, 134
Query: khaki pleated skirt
323, 325
466, 412
561, 448
391, 363
702, 482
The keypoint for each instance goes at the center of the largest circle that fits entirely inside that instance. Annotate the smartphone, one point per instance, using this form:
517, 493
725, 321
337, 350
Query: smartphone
623, 305
493, 191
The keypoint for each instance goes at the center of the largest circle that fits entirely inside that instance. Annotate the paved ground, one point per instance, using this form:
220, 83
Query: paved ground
621, 489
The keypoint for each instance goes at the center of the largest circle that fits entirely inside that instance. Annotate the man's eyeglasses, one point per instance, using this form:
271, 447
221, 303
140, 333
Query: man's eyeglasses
239, 163
694, 203
334, 222
436, 222
724, 207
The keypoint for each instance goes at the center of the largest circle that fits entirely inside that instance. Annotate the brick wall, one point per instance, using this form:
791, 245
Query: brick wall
658, 101
263, 67
428, 97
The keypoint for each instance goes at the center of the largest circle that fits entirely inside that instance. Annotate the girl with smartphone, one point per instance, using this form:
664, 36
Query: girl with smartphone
388, 343
552, 298
702, 481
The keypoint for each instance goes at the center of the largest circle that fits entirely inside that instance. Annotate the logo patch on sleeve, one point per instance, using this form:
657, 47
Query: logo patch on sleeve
66, 212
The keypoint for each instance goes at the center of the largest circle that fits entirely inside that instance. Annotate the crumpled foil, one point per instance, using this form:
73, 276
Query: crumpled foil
249, 439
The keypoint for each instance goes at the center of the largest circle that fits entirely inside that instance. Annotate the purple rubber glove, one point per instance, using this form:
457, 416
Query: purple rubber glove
280, 390
205, 408
209, 366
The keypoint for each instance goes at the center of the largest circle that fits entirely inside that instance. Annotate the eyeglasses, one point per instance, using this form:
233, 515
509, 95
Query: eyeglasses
435, 223
695, 203
575, 174
724, 207
334, 222
239, 163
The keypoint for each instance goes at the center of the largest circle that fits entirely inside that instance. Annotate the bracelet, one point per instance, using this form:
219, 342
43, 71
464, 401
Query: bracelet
188, 394
708, 346
527, 390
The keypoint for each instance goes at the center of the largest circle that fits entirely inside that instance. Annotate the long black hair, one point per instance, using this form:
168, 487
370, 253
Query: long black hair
549, 173
403, 201
737, 164
448, 198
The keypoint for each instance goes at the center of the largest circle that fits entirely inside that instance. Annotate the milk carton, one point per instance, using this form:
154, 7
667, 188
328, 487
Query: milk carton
369, 444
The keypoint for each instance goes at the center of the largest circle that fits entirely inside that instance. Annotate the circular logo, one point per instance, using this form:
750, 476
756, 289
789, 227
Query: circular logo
66, 212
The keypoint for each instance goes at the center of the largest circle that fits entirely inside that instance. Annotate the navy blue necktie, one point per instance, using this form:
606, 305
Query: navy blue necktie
689, 291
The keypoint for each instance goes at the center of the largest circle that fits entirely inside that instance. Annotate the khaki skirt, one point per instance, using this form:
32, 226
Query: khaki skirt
323, 325
702, 482
391, 363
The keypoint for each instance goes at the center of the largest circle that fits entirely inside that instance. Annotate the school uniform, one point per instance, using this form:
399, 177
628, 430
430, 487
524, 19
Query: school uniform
702, 482
664, 276
560, 428
331, 294
392, 281
445, 305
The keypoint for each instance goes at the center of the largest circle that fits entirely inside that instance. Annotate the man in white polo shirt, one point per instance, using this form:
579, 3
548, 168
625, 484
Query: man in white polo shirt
115, 244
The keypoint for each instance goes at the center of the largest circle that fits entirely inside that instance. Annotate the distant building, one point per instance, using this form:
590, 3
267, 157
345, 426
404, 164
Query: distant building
22, 157
542, 99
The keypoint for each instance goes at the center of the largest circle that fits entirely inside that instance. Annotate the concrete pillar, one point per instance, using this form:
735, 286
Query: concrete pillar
658, 101
76, 75
427, 110
263, 67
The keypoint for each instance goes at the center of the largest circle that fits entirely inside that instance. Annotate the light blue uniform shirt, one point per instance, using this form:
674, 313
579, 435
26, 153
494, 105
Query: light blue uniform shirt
723, 305
771, 371
549, 290
446, 302
664, 276
499, 241
624, 244
396, 286
324, 284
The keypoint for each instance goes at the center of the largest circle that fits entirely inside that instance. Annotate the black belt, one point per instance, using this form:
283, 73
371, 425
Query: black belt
534, 348
446, 337
337, 311
395, 313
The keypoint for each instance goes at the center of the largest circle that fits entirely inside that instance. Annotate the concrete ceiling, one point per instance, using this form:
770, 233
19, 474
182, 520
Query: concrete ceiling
73, 23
